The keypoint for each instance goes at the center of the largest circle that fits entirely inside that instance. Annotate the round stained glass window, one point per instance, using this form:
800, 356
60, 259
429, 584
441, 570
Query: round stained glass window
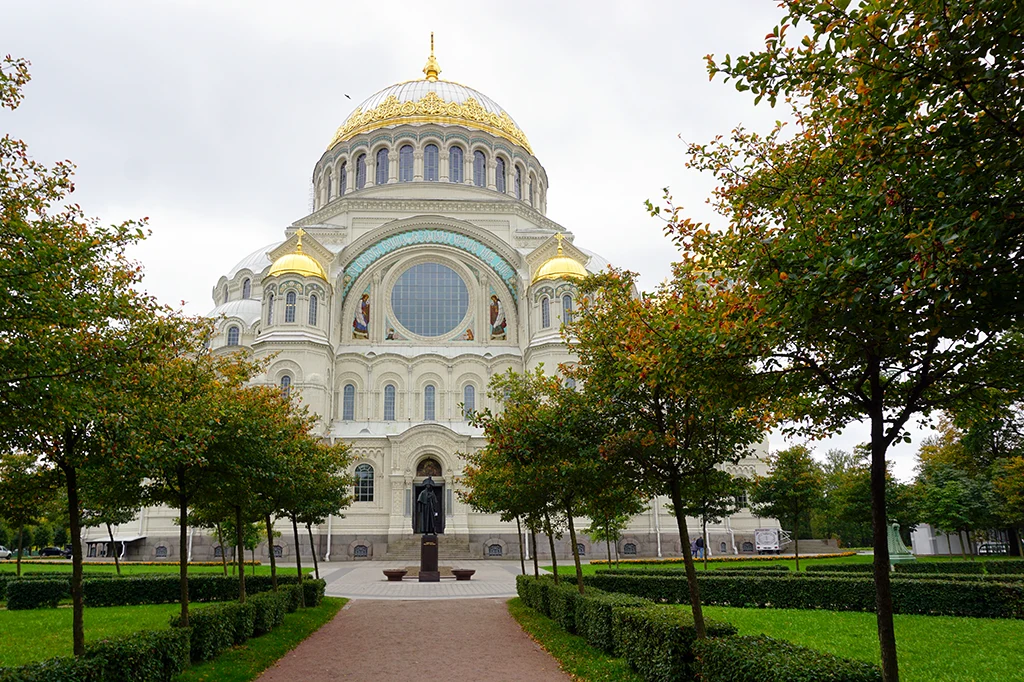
430, 299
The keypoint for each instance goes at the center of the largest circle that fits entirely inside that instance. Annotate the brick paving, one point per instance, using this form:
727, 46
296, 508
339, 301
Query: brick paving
430, 638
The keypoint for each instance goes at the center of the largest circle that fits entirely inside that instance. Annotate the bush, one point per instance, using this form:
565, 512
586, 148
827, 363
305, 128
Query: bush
147, 656
840, 568
211, 631
763, 659
1011, 567
657, 641
166, 589
313, 592
33, 594
594, 620
65, 669
941, 567
294, 593
242, 617
270, 608
563, 600
955, 577
977, 599
754, 569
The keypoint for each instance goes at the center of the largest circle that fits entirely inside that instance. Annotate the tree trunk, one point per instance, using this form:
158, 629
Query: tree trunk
74, 519
704, 537
551, 542
21, 545
796, 544
963, 545
522, 554
312, 549
575, 550
117, 562
879, 532
1015, 532
608, 539
298, 558
536, 559
691, 573
183, 547
241, 554
273, 559
223, 554
616, 553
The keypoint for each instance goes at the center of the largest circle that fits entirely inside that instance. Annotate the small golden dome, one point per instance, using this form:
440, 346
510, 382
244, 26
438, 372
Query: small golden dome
560, 267
297, 263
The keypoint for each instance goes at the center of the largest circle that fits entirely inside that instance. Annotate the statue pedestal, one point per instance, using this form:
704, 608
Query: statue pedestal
428, 559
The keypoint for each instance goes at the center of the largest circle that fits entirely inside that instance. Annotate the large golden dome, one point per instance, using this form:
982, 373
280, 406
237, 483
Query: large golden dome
430, 101
560, 267
297, 263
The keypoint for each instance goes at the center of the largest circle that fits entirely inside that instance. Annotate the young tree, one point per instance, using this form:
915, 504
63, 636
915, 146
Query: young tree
24, 489
881, 242
682, 407
791, 489
710, 496
328, 488
954, 501
1009, 490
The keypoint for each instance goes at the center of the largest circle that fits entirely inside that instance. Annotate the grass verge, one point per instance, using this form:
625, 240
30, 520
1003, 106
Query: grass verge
246, 662
37, 634
930, 648
576, 657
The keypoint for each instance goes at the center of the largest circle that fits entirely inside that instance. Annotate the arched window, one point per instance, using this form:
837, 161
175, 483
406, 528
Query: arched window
329, 181
499, 175
313, 304
289, 307
270, 309
161, 552
722, 548
218, 552
431, 160
567, 309
468, 400
246, 288
545, 312
629, 549
570, 383
494, 550
360, 552
455, 164
286, 385
748, 547
348, 403
278, 551
382, 166
342, 179
428, 402
580, 549
405, 163
361, 171
479, 169
519, 183
389, 403
233, 333
364, 483
531, 193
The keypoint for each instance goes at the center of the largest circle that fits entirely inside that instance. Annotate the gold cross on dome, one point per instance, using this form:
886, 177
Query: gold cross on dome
299, 233
559, 236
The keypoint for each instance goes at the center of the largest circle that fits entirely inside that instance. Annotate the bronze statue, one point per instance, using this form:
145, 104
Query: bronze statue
428, 509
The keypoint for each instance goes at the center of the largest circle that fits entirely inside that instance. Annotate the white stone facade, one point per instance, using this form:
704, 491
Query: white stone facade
394, 390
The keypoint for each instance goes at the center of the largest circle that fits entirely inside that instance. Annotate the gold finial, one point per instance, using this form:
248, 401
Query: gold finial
432, 70
298, 233
559, 236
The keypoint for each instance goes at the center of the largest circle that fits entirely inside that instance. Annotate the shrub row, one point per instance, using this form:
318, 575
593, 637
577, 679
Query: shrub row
8, 578
955, 577
764, 659
976, 599
679, 569
215, 628
1011, 566
137, 590
714, 559
147, 656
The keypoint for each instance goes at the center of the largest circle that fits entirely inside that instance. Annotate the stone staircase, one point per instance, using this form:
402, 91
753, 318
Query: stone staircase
449, 548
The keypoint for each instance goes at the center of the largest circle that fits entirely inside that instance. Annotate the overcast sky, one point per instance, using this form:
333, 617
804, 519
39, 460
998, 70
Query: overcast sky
207, 117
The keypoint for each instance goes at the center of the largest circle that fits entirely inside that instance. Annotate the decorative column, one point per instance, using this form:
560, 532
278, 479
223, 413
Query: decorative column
417, 165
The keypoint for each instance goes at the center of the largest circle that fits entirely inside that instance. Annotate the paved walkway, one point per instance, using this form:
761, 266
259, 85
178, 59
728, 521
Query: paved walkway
365, 580
455, 639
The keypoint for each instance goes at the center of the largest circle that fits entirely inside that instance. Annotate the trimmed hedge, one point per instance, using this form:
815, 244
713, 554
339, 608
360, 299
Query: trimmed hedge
978, 599
313, 591
1012, 567
955, 577
211, 630
165, 589
764, 659
657, 641
840, 568
8, 578
34, 594
563, 600
941, 567
269, 609
147, 656
594, 616
744, 569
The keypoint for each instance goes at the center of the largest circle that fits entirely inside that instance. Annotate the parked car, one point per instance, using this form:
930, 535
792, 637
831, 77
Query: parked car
55, 551
994, 548
5, 553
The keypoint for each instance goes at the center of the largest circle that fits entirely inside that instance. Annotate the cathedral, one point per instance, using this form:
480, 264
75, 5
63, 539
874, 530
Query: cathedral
426, 266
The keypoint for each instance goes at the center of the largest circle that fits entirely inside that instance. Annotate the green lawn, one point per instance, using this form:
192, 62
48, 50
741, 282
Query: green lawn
246, 662
38, 634
930, 648
63, 566
576, 657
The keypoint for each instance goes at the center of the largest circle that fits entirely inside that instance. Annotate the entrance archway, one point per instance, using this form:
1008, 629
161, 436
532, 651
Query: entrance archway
429, 467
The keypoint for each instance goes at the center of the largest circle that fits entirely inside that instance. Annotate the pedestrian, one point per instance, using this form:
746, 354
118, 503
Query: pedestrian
699, 542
